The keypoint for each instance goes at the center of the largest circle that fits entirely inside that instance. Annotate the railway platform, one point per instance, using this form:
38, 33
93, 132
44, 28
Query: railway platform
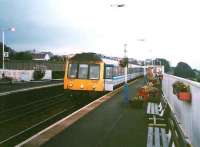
112, 124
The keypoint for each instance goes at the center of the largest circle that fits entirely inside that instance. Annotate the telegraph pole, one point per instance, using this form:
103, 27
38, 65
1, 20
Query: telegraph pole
126, 99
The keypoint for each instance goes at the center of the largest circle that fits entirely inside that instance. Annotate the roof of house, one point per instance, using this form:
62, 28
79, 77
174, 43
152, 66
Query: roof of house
49, 53
41, 55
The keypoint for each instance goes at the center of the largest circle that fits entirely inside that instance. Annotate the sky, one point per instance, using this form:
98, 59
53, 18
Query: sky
170, 28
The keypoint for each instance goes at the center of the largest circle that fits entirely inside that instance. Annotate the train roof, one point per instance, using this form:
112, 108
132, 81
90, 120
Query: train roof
85, 57
88, 57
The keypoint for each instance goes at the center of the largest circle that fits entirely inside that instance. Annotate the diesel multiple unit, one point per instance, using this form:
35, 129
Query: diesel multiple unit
93, 72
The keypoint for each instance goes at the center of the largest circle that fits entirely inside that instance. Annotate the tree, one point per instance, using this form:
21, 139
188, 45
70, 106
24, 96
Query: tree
26, 55
184, 70
163, 62
57, 58
6, 49
198, 78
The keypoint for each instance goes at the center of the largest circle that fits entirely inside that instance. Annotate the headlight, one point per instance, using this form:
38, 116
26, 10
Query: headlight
81, 86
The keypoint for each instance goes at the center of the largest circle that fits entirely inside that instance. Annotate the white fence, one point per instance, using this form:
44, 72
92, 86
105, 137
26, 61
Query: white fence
187, 113
24, 75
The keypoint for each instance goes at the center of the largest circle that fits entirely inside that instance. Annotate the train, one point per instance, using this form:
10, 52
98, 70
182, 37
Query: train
95, 72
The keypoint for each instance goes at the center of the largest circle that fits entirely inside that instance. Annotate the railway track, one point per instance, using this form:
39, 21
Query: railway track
20, 111
23, 121
20, 136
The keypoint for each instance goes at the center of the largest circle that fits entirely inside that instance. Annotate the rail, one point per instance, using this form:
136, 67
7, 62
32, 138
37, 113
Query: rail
29, 89
186, 113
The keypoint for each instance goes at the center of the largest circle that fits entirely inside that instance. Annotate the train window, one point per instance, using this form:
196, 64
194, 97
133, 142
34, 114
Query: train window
114, 72
72, 70
94, 71
108, 74
83, 71
121, 71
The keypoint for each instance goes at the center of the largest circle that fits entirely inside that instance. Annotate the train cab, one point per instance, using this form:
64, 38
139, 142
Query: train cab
84, 74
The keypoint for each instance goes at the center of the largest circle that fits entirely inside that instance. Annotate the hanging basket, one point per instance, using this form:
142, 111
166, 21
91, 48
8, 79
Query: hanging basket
184, 96
123, 62
182, 91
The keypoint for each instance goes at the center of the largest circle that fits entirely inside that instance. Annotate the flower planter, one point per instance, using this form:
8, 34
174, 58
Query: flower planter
161, 77
137, 104
182, 91
174, 91
146, 98
184, 96
154, 99
142, 92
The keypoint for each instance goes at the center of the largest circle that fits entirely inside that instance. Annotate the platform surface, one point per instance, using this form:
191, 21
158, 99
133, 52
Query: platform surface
113, 124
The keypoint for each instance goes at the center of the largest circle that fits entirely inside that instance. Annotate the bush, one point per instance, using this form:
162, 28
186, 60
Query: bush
6, 79
163, 62
38, 74
137, 101
198, 78
184, 70
57, 74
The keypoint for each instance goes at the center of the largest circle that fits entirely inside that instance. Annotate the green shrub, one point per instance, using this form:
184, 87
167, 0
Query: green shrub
184, 70
198, 79
38, 74
6, 79
57, 74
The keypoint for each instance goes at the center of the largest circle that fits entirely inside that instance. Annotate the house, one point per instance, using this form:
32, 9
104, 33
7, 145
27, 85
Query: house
42, 56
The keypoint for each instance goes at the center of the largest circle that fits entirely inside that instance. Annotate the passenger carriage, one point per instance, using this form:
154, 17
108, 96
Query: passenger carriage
93, 72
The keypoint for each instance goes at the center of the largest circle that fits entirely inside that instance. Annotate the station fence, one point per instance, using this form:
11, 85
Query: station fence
30, 65
187, 113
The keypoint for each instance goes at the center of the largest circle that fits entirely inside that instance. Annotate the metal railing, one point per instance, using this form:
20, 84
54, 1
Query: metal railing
187, 114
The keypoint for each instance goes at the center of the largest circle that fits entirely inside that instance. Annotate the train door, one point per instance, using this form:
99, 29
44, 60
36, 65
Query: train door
108, 76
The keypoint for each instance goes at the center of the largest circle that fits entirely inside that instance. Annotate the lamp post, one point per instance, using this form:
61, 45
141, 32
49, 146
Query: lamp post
3, 42
125, 68
125, 58
145, 65
151, 56
125, 75
3, 50
117, 5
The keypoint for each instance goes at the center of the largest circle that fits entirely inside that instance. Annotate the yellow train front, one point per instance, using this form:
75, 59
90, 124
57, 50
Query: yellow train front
92, 72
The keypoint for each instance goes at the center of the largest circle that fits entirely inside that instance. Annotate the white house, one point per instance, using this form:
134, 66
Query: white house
42, 56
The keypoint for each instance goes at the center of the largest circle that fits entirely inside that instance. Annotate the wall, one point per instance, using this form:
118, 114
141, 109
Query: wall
187, 113
25, 75
30, 65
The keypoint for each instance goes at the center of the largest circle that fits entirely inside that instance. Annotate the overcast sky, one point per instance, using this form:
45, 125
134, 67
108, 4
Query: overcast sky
171, 28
